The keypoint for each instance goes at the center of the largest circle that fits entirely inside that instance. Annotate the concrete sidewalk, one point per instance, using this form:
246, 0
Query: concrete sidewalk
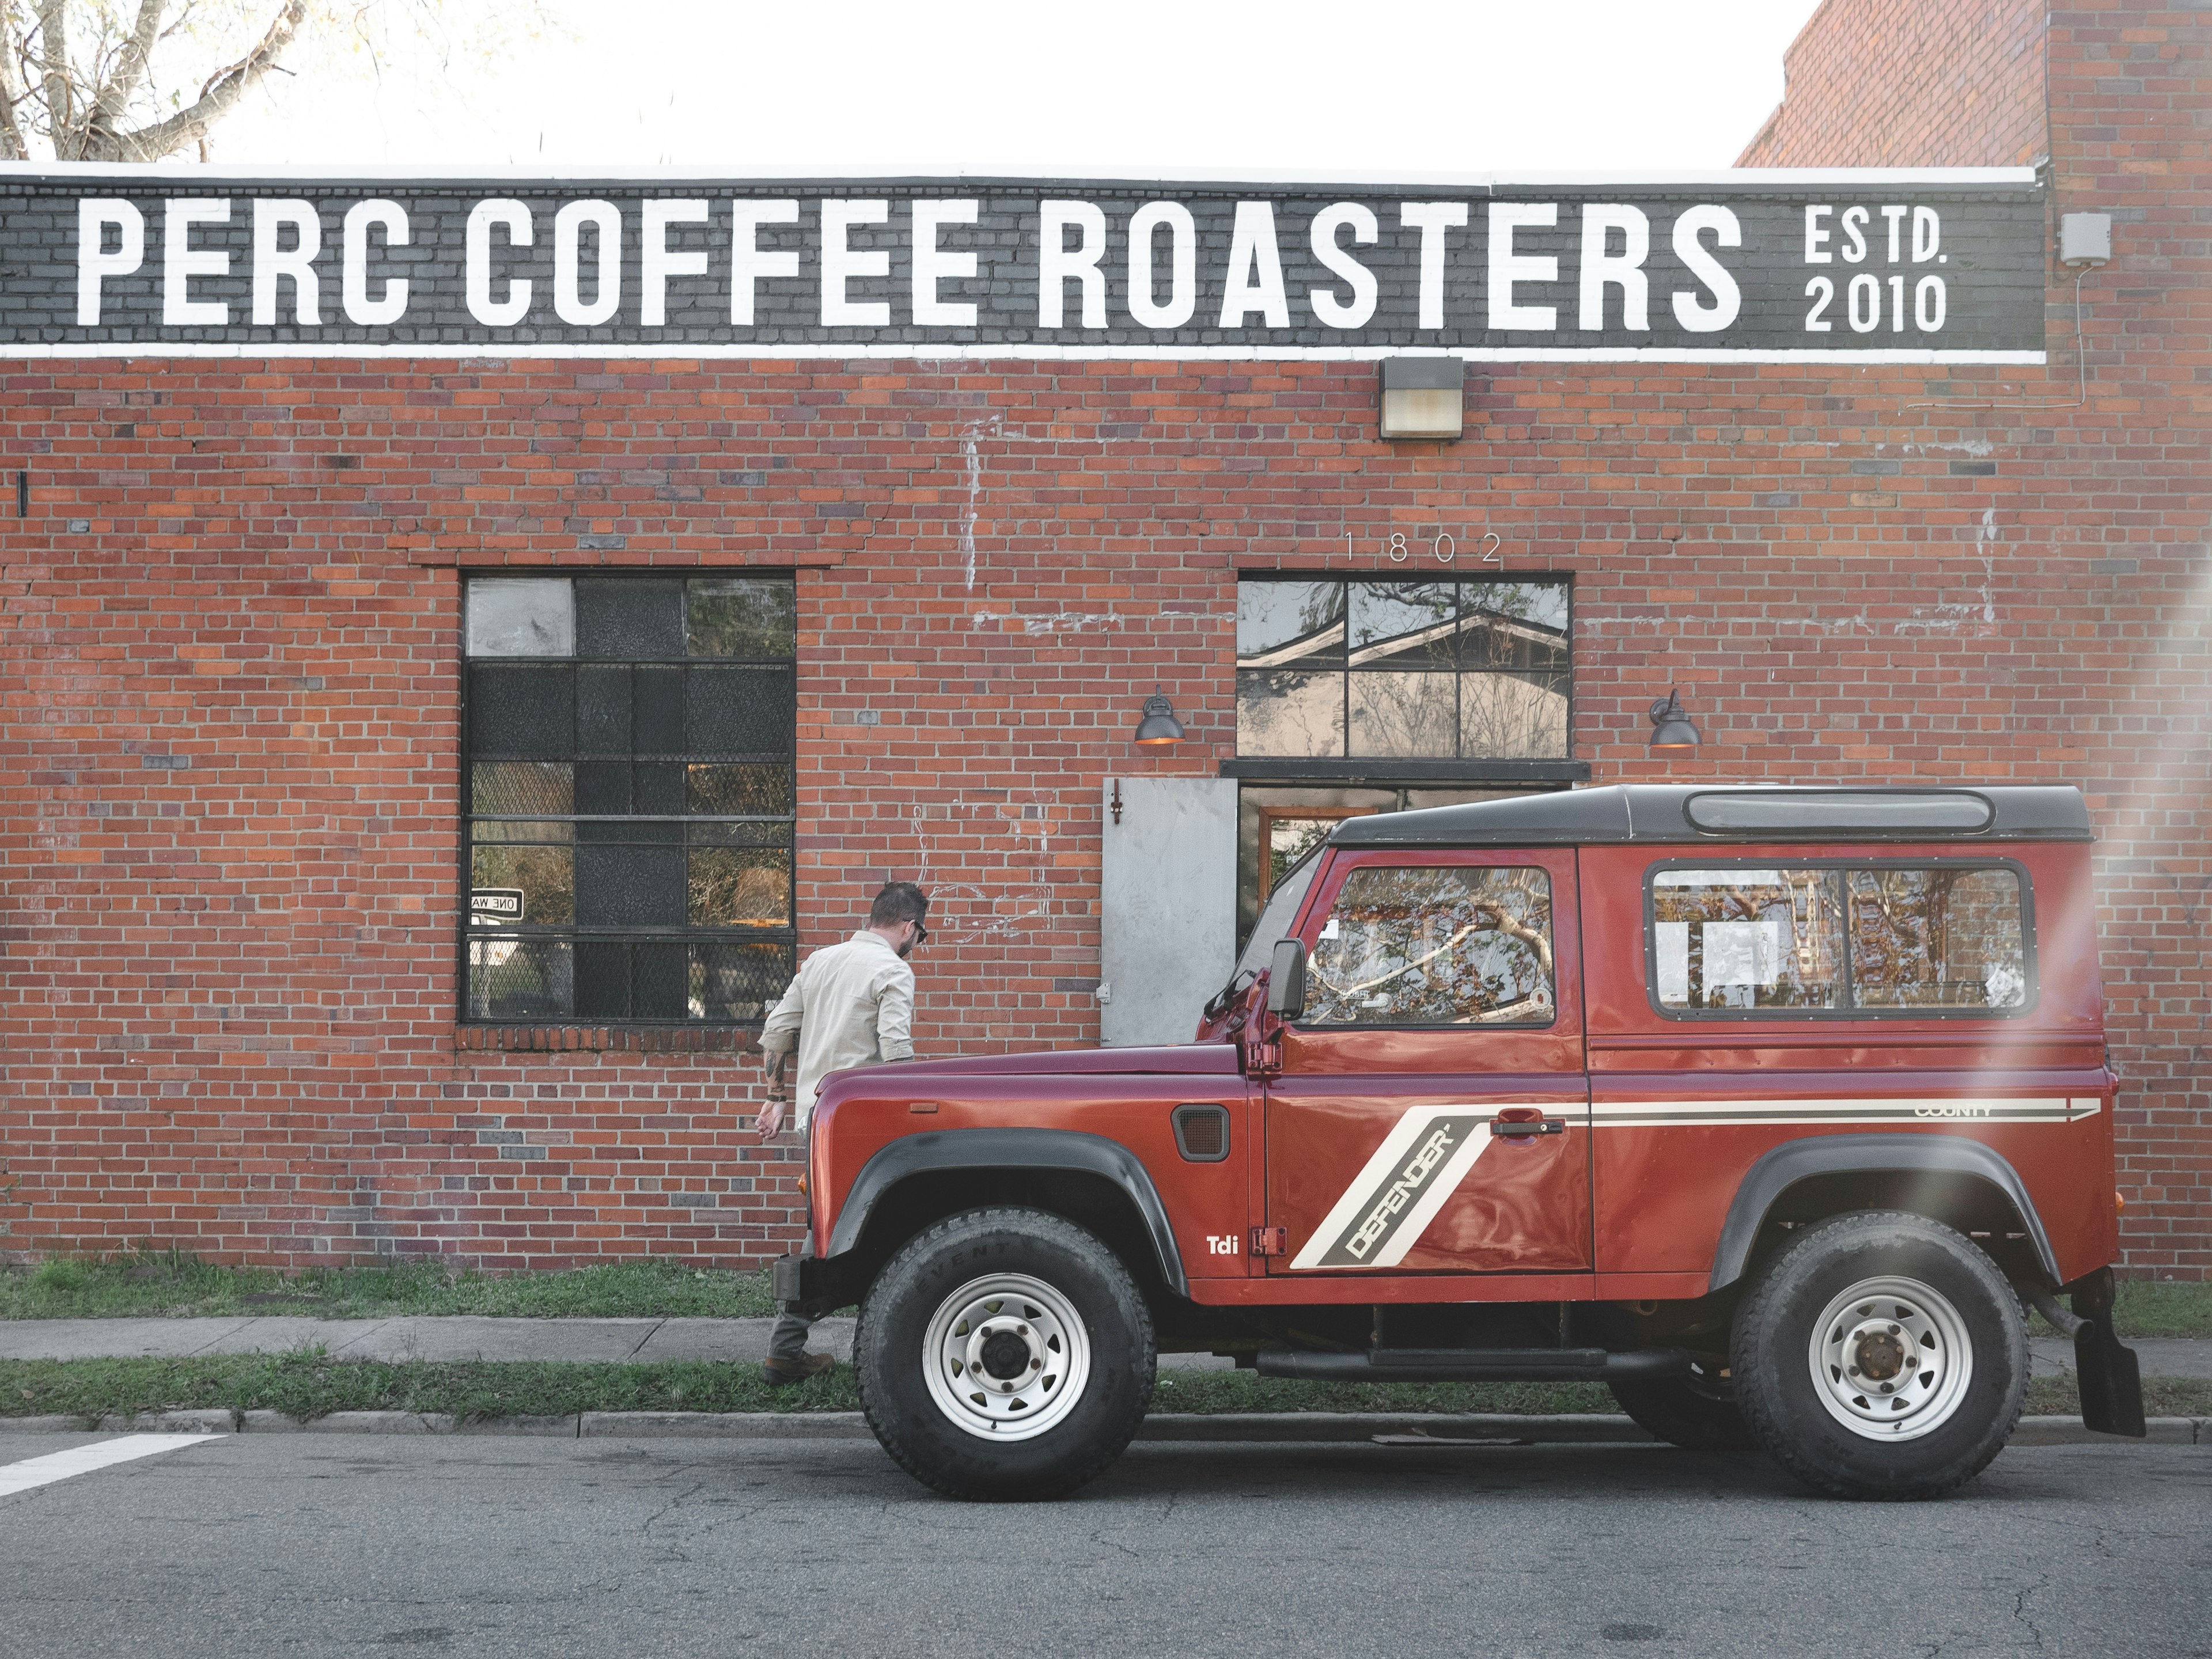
640, 1342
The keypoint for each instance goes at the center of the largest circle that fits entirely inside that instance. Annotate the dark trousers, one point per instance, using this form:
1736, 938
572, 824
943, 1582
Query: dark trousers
788, 1339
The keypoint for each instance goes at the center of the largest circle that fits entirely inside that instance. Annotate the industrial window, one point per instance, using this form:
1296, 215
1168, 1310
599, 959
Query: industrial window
1827, 939
628, 748
1435, 945
1477, 670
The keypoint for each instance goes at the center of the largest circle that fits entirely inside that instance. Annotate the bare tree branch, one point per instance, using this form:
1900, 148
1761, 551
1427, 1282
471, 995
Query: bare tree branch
129, 72
53, 51
11, 134
221, 91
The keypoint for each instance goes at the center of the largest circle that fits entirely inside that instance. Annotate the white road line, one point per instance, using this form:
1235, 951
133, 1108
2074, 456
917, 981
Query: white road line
82, 1460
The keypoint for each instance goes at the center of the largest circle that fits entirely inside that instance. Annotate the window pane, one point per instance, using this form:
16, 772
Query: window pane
520, 711
603, 711
1747, 939
740, 887
602, 979
624, 618
660, 978
545, 786
738, 981
521, 979
546, 876
1435, 946
739, 789
1294, 624
603, 786
1283, 712
1948, 938
1396, 713
770, 832
742, 616
1751, 811
1542, 605
1513, 716
511, 618
549, 831
740, 711
629, 886
657, 725
1403, 625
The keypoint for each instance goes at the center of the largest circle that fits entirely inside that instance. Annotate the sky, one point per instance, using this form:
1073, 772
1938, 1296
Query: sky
1201, 88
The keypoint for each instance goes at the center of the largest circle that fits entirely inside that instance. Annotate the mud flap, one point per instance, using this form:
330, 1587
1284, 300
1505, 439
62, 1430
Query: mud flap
2110, 1378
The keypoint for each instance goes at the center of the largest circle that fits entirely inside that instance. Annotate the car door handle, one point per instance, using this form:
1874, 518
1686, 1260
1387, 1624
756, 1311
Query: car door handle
1522, 1128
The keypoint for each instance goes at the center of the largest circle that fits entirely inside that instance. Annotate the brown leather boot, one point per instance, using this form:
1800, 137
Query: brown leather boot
782, 1372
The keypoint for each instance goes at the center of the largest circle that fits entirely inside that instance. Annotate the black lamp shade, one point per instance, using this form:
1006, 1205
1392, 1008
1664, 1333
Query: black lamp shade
1672, 732
1159, 725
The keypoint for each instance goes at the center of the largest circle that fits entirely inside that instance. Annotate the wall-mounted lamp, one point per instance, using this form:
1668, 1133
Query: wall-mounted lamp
1672, 733
1158, 726
1424, 396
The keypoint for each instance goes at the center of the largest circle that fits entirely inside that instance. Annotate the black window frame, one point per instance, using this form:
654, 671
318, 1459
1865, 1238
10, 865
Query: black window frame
2034, 991
784, 935
1444, 766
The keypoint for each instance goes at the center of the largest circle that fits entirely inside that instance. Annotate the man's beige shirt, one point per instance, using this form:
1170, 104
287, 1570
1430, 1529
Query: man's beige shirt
848, 1005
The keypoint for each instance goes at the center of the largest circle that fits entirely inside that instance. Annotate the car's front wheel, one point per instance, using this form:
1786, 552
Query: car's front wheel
1004, 1353
1881, 1355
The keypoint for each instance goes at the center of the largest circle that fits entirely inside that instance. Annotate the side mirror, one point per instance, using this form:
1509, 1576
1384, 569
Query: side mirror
1287, 979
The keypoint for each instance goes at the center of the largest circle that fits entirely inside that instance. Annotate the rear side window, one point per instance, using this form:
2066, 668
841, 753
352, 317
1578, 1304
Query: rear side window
1435, 945
1839, 939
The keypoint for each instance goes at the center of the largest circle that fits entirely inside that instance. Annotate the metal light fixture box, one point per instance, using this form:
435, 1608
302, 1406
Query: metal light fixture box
1424, 396
1672, 731
2085, 239
1158, 728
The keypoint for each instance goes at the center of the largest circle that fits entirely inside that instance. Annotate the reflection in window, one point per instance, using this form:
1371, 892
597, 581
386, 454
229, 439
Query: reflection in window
1435, 945
1887, 937
1748, 939
1328, 668
630, 773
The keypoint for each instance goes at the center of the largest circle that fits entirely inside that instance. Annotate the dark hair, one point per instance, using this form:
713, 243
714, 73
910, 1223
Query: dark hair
900, 901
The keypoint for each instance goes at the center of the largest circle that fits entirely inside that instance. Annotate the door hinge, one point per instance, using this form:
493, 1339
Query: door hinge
1263, 1059
1270, 1241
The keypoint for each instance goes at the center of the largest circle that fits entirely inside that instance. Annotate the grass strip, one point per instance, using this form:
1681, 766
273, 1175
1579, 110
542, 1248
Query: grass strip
307, 1385
169, 1283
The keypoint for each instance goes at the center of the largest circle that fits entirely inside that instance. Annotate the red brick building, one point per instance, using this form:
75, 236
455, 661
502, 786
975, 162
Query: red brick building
234, 837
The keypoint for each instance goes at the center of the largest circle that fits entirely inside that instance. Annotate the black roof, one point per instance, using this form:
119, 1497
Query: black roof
1711, 812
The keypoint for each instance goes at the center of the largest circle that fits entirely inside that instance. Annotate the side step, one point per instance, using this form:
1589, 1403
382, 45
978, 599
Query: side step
1475, 1364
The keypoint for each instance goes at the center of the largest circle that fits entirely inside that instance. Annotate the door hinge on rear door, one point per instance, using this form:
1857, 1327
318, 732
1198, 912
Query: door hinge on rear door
1271, 1240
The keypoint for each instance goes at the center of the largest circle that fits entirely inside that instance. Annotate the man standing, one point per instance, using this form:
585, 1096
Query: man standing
848, 1005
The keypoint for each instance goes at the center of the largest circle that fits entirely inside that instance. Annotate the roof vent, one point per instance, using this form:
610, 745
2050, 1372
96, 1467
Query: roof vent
1837, 812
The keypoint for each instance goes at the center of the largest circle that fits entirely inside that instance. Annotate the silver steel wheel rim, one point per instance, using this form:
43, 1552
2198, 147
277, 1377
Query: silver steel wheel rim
1891, 1359
1006, 1357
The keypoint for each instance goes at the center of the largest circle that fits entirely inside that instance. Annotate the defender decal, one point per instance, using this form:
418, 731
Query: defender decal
1383, 1212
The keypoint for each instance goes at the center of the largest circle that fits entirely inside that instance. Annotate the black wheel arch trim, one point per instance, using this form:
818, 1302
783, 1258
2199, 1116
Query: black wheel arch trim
1784, 1166
1011, 1149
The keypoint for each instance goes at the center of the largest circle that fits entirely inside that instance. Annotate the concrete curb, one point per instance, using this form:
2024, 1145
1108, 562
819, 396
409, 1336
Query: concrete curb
1412, 1429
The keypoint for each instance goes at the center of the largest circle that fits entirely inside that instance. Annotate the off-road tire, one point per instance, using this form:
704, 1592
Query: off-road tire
1780, 1391
1697, 1413
891, 1342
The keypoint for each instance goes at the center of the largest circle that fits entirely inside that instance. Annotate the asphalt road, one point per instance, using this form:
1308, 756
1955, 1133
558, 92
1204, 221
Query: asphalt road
343, 1545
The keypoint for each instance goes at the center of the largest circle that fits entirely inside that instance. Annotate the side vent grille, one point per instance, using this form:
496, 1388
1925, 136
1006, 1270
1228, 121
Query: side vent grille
1202, 1133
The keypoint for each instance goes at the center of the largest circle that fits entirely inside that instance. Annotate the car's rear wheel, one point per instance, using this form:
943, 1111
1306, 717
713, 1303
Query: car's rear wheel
1882, 1355
1698, 1413
1004, 1353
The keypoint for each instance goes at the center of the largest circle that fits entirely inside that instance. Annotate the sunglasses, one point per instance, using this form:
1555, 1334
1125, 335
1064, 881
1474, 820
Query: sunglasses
921, 934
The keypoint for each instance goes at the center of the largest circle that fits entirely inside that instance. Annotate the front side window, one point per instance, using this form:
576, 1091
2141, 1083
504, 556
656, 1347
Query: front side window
1438, 670
628, 745
1831, 939
1453, 945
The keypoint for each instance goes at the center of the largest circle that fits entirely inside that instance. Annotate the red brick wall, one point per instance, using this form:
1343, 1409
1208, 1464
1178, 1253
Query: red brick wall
1901, 83
228, 858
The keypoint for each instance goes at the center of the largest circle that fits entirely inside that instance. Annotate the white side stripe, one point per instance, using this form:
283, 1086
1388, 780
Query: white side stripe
1862, 1109
82, 1460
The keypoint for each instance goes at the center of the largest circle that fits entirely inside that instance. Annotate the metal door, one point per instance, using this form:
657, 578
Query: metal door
1167, 896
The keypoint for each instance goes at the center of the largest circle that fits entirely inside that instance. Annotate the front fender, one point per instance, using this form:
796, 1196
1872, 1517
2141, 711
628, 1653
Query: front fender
1794, 1161
1011, 1149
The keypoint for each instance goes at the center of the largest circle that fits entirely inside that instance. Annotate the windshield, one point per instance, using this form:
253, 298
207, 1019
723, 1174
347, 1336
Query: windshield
1281, 909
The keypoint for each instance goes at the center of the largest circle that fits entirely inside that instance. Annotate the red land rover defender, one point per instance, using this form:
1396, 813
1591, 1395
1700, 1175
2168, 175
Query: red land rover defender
1769, 1107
